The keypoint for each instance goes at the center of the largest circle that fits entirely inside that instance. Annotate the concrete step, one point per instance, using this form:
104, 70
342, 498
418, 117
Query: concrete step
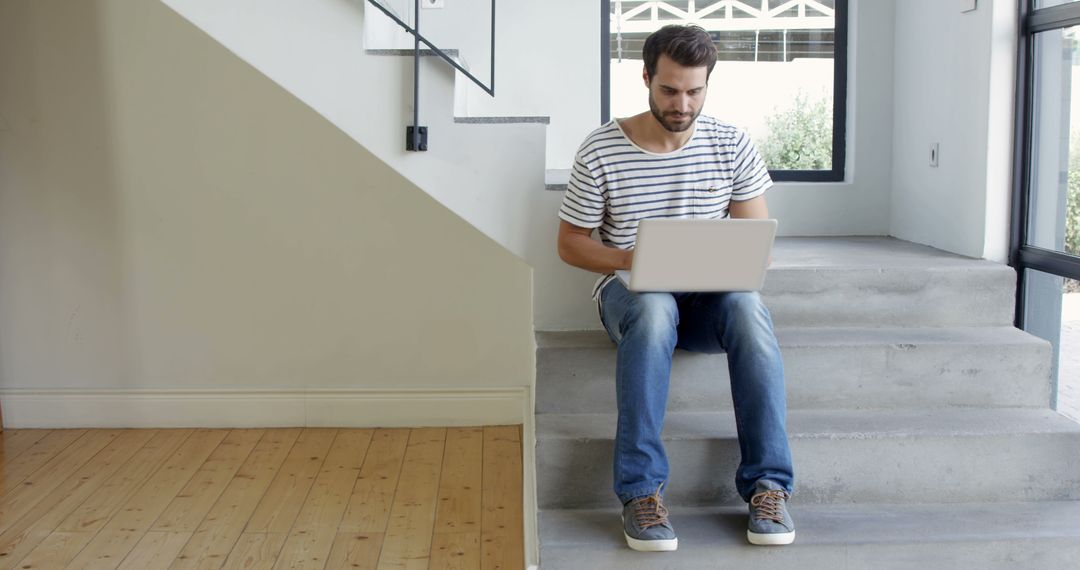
879, 281
424, 52
884, 282
988, 536
840, 456
844, 367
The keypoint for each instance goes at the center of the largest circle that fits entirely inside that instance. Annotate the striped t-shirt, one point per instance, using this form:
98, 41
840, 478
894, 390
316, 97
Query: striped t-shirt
615, 184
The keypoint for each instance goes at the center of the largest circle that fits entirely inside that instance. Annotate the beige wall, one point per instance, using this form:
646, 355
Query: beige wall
171, 219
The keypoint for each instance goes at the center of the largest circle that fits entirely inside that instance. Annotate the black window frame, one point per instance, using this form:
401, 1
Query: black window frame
840, 68
1021, 255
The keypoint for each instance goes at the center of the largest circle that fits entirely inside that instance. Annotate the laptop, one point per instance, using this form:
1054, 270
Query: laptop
688, 255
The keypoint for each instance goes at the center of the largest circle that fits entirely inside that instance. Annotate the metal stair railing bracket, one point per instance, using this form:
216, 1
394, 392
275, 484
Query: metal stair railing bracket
416, 136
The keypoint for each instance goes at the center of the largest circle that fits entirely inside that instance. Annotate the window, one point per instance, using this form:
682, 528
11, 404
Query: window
1045, 243
788, 59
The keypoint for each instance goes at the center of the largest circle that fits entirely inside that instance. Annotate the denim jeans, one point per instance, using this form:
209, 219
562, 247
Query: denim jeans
647, 327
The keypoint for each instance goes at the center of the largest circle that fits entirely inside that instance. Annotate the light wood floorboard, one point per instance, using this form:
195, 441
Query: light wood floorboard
24, 534
439, 498
17, 440
502, 513
35, 456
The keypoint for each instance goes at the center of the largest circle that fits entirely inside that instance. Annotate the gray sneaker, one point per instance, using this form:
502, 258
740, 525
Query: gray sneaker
770, 523
646, 525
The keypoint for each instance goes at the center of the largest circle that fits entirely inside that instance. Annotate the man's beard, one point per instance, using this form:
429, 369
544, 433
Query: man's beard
674, 128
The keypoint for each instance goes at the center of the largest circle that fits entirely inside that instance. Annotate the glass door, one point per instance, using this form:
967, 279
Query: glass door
1046, 233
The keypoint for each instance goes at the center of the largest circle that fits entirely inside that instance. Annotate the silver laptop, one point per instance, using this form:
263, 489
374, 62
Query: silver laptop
700, 255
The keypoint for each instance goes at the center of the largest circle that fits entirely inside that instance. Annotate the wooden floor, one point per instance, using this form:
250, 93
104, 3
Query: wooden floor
254, 498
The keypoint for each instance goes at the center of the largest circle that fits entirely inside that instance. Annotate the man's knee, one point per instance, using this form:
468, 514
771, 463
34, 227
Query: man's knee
746, 311
743, 302
654, 313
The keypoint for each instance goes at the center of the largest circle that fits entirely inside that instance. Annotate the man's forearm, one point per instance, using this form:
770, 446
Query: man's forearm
584, 252
750, 209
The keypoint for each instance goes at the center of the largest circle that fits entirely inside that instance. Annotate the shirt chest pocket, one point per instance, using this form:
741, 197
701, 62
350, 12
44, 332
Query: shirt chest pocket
710, 199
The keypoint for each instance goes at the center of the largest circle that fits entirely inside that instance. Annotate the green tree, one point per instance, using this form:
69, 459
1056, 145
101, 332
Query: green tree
1072, 207
800, 136
1074, 149
1072, 199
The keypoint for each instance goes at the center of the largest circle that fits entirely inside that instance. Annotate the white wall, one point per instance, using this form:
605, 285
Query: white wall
463, 25
548, 63
1001, 129
954, 86
547, 60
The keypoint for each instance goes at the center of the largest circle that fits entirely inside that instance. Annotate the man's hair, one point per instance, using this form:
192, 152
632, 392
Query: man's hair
689, 46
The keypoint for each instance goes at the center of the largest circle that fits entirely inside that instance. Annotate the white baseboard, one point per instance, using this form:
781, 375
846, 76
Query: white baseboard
530, 506
261, 408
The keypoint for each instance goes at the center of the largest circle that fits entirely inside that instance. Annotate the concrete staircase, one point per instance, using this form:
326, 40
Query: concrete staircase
918, 419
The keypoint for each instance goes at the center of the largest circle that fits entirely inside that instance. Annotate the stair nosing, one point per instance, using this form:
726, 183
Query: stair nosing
997, 521
504, 120
424, 52
798, 336
922, 423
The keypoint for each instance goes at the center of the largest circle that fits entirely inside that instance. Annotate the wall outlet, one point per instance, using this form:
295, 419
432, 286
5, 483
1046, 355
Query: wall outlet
934, 152
968, 5
432, 4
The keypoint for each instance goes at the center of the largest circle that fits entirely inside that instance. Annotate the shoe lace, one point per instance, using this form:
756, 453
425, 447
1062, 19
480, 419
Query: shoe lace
650, 511
769, 505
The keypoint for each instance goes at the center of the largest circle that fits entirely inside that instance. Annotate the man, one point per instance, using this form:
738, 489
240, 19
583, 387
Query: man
671, 163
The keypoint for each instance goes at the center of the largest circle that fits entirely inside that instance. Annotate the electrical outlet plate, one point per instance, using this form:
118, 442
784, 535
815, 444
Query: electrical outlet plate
968, 5
432, 4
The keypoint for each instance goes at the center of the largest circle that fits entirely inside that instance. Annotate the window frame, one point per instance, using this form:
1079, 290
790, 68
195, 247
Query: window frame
840, 92
1021, 255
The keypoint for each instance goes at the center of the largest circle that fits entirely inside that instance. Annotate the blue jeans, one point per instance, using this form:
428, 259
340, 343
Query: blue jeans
647, 327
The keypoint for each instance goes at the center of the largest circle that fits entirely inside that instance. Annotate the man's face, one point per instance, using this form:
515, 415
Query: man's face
676, 93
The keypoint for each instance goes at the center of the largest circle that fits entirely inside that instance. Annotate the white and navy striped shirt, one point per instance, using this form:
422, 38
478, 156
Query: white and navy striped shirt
615, 184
